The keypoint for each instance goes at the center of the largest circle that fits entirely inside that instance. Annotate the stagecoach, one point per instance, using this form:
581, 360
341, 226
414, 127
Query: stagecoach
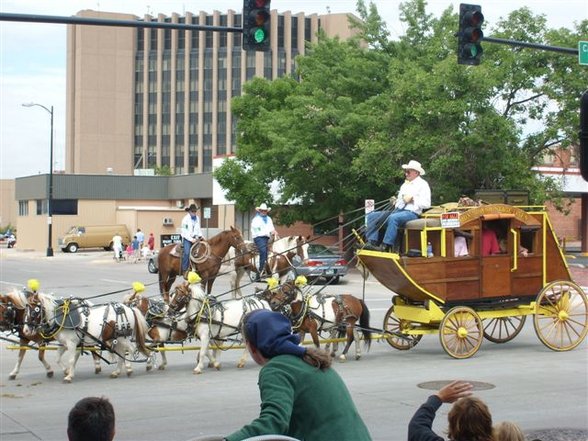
471, 297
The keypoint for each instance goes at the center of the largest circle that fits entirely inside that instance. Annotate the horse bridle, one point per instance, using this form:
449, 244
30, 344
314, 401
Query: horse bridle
8, 319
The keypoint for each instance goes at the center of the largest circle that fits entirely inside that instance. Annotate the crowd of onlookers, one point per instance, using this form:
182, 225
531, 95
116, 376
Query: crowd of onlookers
137, 250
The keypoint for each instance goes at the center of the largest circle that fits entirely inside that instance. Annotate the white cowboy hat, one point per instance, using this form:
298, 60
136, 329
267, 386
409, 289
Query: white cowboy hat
263, 207
414, 165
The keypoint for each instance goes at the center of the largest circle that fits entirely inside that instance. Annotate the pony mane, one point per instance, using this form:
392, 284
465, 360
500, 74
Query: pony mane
47, 300
196, 291
129, 298
18, 298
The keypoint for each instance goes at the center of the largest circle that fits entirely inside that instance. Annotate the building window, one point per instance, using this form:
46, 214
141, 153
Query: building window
41, 206
65, 206
23, 208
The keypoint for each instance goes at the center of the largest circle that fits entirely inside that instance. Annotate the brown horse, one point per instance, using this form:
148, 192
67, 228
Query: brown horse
206, 261
335, 314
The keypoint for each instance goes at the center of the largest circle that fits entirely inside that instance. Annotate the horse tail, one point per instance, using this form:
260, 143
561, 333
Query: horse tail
364, 322
141, 329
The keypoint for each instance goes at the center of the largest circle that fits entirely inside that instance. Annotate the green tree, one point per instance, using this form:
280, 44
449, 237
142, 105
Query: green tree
358, 109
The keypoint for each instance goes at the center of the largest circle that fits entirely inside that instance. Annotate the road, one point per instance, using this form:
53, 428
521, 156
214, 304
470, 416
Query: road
521, 380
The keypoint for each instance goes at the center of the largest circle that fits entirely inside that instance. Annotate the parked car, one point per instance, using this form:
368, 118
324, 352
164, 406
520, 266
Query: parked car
93, 236
322, 262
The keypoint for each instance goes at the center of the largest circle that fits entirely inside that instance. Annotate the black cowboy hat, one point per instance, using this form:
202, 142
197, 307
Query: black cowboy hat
192, 207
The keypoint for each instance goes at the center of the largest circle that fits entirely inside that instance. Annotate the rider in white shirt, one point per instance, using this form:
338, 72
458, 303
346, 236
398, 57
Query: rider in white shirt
191, 232
262, 228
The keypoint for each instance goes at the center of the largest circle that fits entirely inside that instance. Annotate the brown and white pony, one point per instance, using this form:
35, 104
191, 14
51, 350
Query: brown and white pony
207, 260
280, 263
315, 313
12, 314
112, 326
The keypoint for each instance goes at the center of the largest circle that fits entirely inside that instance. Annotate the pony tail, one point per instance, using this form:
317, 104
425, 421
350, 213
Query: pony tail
318, 358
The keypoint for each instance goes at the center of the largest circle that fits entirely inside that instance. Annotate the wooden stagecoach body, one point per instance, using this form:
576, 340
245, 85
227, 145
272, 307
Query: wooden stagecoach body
474, 296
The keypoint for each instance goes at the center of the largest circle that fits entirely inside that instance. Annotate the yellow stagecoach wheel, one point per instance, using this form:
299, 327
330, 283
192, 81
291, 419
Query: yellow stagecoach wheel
461, 332
395, 325
561, 315
503, 329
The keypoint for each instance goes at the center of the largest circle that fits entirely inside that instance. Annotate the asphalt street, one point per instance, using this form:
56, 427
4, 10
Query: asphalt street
544, 391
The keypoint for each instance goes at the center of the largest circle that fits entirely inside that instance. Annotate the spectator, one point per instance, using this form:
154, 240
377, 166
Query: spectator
129, 252
117, 246
460, 243
508, 431
140, 237
302, 396
91, 419
469, 418
151, 242
413, 197
136, 247
262, 229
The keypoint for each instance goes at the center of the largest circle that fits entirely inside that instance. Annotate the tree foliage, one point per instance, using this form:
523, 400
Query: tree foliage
338, 132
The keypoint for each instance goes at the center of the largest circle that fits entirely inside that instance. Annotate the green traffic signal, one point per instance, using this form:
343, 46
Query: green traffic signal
259, 35
470, 35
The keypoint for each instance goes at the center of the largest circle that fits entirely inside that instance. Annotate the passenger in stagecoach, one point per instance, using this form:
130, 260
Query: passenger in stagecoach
298, 386
191, 232
490, 244
413, 197
262, 229
460, 242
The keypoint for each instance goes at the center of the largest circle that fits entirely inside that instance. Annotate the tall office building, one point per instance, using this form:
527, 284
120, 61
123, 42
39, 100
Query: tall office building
141, 98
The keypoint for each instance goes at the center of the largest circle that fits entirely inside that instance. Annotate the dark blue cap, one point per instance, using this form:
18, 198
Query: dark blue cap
271, 333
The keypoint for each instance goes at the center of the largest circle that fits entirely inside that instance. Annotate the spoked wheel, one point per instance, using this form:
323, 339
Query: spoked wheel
461, 332
503, 329
394, 325
561, 315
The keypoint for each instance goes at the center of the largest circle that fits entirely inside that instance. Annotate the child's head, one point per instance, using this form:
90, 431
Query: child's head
508, 431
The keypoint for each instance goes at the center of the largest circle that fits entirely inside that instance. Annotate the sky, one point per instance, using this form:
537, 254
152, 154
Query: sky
33, 59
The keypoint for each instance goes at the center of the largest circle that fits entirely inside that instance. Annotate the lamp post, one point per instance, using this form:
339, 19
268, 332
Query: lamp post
50, 196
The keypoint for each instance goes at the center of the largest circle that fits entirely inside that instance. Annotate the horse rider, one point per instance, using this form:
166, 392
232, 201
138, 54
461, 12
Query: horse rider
262, 228
191, 232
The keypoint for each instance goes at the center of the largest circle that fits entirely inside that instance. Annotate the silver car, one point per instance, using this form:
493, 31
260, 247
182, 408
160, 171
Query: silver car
322, 262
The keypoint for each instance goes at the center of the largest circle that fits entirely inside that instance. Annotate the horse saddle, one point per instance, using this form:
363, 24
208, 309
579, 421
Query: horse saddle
68, 313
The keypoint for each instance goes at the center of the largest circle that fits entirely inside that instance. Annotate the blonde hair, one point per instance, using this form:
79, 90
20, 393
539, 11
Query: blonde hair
470, 419
508, 431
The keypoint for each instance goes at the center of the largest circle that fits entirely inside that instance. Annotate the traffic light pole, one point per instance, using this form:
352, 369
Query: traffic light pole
544, 47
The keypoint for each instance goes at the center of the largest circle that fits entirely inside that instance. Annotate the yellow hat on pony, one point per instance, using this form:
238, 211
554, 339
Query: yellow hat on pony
193, 277
33, 285
300, 281
272, 283
138, 287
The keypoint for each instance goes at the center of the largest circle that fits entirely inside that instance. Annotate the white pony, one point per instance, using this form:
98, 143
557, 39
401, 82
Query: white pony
110, 326
213, 320
281, 261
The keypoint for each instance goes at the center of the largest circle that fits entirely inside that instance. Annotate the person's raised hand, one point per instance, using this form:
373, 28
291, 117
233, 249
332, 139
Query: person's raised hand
455, 390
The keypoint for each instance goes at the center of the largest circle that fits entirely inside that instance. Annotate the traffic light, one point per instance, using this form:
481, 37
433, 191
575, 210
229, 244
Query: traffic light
470, 35
584, 135
256, 25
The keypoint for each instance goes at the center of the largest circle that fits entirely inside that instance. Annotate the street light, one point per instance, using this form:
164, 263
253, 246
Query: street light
50, 197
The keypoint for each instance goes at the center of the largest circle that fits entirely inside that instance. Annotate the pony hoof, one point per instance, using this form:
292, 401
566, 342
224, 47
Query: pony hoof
211, 364
49, 375
97, 371
161, 368
67, 380
357, 357
240, 365
129, 373
217, 366
148, 368
342, 358
114, 375
13, 377
197, 371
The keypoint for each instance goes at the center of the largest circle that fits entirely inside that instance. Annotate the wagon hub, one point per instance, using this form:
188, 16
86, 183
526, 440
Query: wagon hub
462, 332
563, 316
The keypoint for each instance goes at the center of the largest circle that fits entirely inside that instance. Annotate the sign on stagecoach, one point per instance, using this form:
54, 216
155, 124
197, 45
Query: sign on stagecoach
450, 219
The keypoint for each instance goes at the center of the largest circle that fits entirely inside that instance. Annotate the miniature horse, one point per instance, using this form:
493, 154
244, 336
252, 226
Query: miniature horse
213, 320
111, 326
170, 265
311, 313
280, 260
12, 313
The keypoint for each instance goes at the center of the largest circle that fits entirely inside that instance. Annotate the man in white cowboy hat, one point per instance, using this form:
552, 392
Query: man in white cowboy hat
191, 232
262, 228
413, 197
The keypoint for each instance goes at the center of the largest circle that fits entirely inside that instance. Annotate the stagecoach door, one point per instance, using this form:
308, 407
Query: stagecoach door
496, 268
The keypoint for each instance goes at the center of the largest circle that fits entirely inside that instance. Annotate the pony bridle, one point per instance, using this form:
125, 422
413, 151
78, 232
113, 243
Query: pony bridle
180, 302
34, 315
8, 319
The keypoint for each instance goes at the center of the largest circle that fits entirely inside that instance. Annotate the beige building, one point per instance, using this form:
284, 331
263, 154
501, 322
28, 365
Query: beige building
141, 99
